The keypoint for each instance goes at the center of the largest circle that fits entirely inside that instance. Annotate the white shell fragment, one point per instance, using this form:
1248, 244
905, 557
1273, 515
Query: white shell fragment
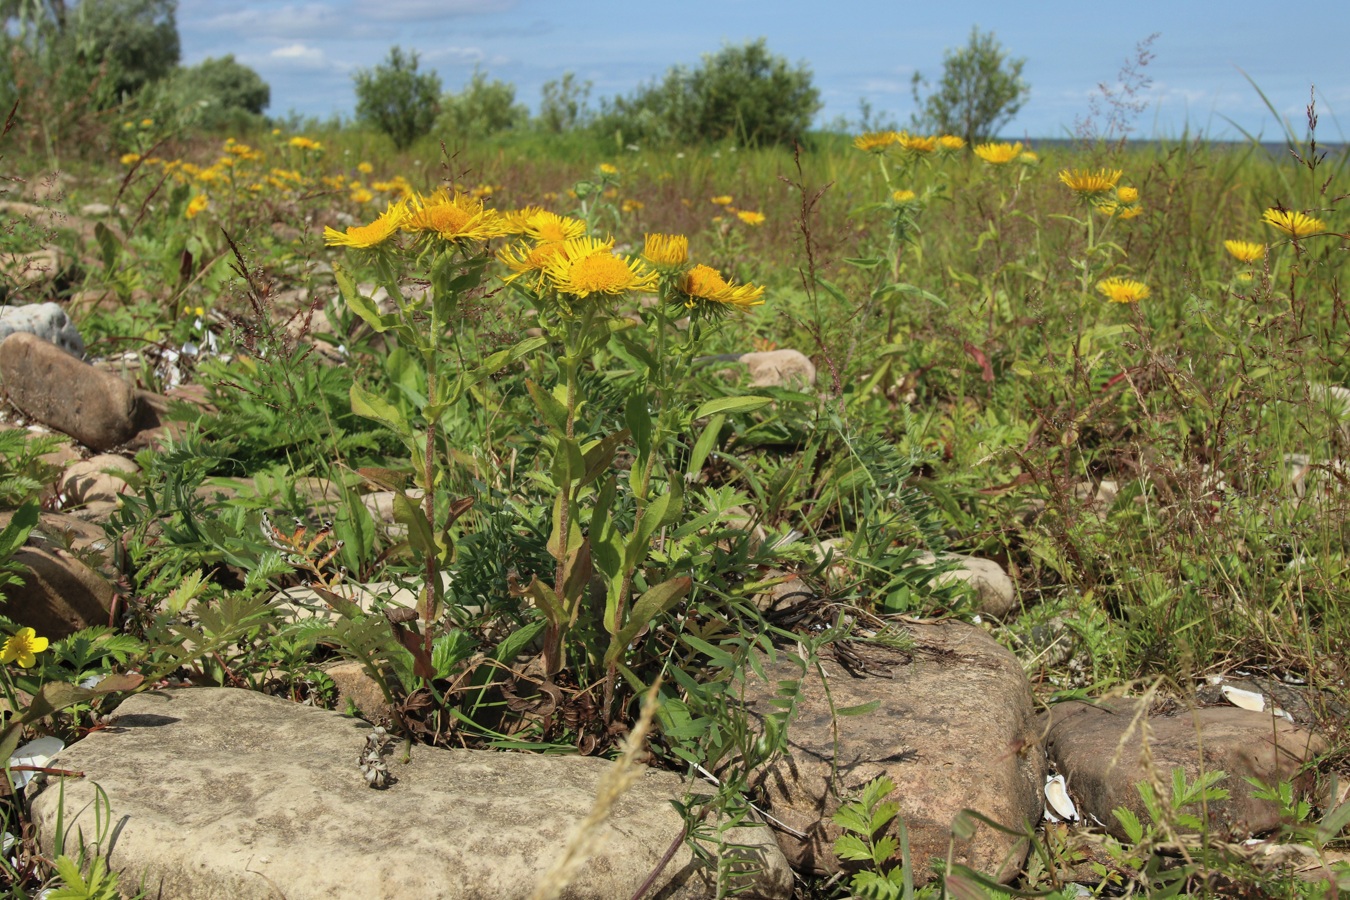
1242, 699
33, 753
1058, 806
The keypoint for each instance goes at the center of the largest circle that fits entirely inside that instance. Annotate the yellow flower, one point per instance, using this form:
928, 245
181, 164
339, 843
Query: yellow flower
998, 154
304, 143
916, 144
609, 169
23, 646
1245, 251
706, 284
130, 159
722, 200
457, 218
876, 141
361, 195
902, 196
631, 205
1294, 224
550, 196
364, 168
1130, 212
372, 235
1090, 184
588, 266
483, 190
549, 226
146, 123
1127, 194
666, 251
524, 259
750, 217
517, 220
951, 142
196, 205
1122, 290
1028, 158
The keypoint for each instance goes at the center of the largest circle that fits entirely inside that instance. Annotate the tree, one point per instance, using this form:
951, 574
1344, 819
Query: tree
562, 103
744, 93
980, 91
395, 99
227, 84
481, 108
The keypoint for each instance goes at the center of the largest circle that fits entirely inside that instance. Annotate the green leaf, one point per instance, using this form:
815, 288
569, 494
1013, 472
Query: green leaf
639, 421
1130, 822
185, 592
362, 306
852, 848
366, 404
652, 603
551, 411
16, 532
704, 445
861, 709
411, 516
597, 459
108, 246
1335, 822
731, 405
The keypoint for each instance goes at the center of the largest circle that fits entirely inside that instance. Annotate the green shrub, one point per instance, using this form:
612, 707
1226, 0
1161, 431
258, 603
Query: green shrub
483, 107
397, 100
563, 103
745, 94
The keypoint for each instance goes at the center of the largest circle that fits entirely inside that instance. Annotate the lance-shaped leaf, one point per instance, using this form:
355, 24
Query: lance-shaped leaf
371, 406
651, 604
362, 306
553, 412
731, 405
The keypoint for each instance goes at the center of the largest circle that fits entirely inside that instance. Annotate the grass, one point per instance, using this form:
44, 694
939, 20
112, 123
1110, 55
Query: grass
1129, 464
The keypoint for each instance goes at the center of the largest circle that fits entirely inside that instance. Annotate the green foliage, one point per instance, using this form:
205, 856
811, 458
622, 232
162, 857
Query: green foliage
741, 93
980, 91
865, 821
563, 104
397, 100
214, 94
480, 108
125, 44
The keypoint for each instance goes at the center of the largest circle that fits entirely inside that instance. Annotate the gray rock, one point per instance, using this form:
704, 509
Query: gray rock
1104, 749
228, 793
45, 320
953, 730
993, 587
96, 408
780, 368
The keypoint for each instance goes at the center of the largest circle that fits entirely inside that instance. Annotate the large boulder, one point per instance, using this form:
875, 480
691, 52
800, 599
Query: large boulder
60, 595
953, 728
96, 408
1105, 749
45, 320
229, 793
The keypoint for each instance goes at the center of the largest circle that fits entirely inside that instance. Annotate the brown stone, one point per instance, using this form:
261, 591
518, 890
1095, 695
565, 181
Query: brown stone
1100, 750
220, 792
96, 408
62, 531
59, 596
102, 477
780, 368
953, 730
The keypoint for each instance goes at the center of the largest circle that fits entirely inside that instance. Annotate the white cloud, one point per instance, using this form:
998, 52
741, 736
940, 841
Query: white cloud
433, 10
300, 55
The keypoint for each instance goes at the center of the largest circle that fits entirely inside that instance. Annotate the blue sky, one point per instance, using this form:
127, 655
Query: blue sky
307, 51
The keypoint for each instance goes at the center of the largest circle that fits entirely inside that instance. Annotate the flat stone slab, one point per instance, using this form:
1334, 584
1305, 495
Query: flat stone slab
953, 728
224, 793
1100, 749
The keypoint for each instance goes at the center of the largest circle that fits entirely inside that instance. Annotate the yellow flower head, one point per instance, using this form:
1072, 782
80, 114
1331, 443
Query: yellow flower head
364, 168
1090, 184
549, 226
304, 143
1028, 158
609, 169
668, 252
903, 196
361, 195
1122, 290
130, 159
998, 154
631, 205
1295, 224
372, 235
705, 287
750, 217
951, 142
523, 259
588, 266
196, 205
914, 143
1245, 251
454, 218
876, 141
23, 646
1127, 194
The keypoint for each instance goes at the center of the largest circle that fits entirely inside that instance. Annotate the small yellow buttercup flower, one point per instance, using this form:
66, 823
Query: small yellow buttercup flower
703, 285
196, 205
1090, 184
588, 266
876, 141
750, 217
22, 647
998, 154
366, 236
1245, 251
1295, 224
1123, 290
